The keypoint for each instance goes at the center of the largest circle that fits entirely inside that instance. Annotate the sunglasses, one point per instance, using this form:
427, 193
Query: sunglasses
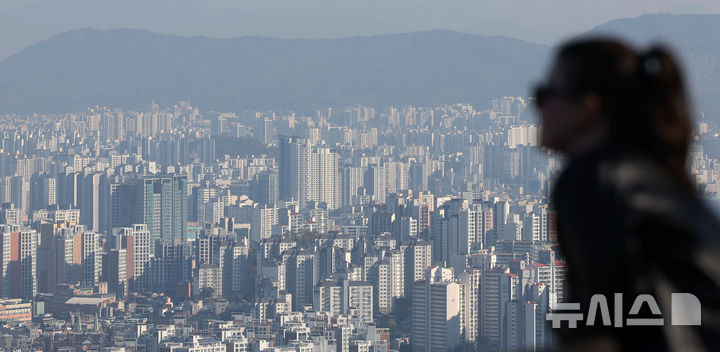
543, 92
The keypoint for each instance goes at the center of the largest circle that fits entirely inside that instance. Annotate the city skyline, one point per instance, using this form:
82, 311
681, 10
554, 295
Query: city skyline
405, 228
199, 182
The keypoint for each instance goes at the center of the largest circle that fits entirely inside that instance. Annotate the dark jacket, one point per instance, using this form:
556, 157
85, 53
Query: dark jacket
626, 226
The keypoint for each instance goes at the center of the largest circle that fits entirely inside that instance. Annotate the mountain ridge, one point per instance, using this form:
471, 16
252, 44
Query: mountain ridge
138, 66
129, 68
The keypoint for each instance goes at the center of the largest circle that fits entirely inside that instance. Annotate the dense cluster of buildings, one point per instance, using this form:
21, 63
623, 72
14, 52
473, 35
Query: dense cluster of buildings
422, 229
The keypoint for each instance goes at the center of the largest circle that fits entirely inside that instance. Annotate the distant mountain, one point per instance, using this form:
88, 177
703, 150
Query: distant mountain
130, 68
695, 38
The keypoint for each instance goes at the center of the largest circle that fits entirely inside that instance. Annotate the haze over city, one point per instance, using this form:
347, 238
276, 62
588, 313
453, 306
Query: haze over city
26, 22
325, 176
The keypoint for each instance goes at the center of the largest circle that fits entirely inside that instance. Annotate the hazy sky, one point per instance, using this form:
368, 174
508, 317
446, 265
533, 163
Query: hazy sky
23, 22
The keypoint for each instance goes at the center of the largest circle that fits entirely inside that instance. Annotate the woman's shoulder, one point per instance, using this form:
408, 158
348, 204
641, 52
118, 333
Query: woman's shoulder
624, 179
619, 170
633, 173
607, 173
647, 192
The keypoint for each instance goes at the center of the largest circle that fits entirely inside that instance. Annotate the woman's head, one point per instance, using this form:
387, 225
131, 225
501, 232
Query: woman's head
602, 91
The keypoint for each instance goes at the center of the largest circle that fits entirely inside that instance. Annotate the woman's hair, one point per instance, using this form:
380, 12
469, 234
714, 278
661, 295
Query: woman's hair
642, 93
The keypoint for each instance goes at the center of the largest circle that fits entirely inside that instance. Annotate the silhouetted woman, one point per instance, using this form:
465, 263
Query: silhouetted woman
629, 218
